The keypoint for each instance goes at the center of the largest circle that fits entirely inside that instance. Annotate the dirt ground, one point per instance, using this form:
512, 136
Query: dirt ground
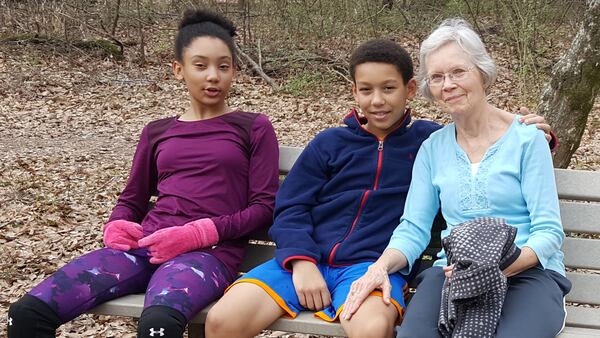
68, 129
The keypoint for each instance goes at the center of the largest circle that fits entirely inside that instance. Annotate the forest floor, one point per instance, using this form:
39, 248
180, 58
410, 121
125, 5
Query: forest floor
69, 123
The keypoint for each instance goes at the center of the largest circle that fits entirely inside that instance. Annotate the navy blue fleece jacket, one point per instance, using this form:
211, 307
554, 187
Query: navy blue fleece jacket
345, 194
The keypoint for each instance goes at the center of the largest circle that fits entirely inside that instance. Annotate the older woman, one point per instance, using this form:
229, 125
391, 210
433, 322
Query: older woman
484, 164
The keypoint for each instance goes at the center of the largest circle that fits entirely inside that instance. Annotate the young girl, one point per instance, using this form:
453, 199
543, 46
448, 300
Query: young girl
215, 173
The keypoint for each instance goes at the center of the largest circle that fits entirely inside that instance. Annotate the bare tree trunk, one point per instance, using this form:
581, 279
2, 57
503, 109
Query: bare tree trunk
243, 6
248, 17
569, 96
474, 18
113, 29
141, 32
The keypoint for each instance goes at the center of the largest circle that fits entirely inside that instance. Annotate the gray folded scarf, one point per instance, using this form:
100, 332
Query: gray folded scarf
472, 298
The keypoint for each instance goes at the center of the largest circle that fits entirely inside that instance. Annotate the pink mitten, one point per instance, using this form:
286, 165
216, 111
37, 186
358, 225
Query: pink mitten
170, 242
122, 235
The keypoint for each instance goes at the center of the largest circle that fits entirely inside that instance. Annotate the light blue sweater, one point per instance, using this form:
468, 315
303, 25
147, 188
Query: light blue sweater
515, 181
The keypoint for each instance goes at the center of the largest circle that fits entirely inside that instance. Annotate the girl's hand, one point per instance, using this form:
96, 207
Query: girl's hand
122, 235
376, 278
168, 243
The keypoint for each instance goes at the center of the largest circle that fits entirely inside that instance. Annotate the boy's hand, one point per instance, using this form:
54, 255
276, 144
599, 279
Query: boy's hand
376, 278
540, 121
310, 286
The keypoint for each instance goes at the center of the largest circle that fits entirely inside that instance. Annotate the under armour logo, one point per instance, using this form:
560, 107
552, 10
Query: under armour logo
160, 332
9, 321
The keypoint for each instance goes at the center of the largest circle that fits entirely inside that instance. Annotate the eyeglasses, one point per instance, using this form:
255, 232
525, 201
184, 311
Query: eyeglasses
456, 74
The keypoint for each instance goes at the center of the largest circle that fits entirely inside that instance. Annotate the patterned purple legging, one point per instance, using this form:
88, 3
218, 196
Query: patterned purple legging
186, 283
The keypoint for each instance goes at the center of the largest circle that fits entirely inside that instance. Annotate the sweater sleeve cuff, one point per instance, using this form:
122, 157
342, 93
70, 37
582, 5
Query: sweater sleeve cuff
537, 248
510, 257
287, 263
410, 258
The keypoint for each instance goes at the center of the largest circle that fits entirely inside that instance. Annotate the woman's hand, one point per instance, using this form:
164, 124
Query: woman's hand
376, 278
448, 270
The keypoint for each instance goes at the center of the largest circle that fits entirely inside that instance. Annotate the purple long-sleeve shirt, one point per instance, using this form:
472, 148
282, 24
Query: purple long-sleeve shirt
224, 168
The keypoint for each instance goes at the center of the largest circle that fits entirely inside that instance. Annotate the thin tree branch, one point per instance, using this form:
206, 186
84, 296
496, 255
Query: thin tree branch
256, 68
116, 21
141, 32
475, 21
259, 54
101, 33
344, 76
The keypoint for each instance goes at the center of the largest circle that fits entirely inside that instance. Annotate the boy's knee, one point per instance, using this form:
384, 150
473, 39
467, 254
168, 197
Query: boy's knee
30, 317
376, 326
219, 323
161, 321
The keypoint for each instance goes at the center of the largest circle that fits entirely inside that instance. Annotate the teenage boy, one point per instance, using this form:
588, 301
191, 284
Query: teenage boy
337, 209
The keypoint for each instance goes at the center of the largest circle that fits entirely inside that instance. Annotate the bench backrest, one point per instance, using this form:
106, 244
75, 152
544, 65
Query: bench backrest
261, 248
579, 192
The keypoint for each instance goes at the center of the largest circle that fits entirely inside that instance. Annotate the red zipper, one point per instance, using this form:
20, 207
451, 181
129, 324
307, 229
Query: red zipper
379, 160
362, 202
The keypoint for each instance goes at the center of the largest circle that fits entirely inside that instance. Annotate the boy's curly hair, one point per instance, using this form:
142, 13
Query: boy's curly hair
383, 51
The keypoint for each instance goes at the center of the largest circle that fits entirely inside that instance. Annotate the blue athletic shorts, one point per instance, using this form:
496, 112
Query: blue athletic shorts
278, 283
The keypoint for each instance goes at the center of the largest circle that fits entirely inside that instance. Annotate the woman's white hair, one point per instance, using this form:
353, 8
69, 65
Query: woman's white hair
459, 31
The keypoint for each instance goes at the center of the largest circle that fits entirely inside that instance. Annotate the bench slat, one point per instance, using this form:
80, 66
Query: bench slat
131, 306
575, 332
587, 317
578, 184
580, 217
126, 306
585, 288
287, 157
582, 253
305, 322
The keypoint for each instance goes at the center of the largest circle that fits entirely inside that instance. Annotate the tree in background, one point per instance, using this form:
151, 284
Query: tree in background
301, 46
569, 96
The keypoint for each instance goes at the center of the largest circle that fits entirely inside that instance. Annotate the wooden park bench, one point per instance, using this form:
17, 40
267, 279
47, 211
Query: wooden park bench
579, 192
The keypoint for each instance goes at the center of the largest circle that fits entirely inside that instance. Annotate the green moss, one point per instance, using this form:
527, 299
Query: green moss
107, 48
303, 84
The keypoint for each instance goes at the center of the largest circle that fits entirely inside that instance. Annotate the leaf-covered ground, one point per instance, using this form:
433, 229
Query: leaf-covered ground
68, 128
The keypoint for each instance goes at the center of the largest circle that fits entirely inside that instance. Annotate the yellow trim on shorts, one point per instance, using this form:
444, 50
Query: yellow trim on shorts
397, 305
270, 292
326, 318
